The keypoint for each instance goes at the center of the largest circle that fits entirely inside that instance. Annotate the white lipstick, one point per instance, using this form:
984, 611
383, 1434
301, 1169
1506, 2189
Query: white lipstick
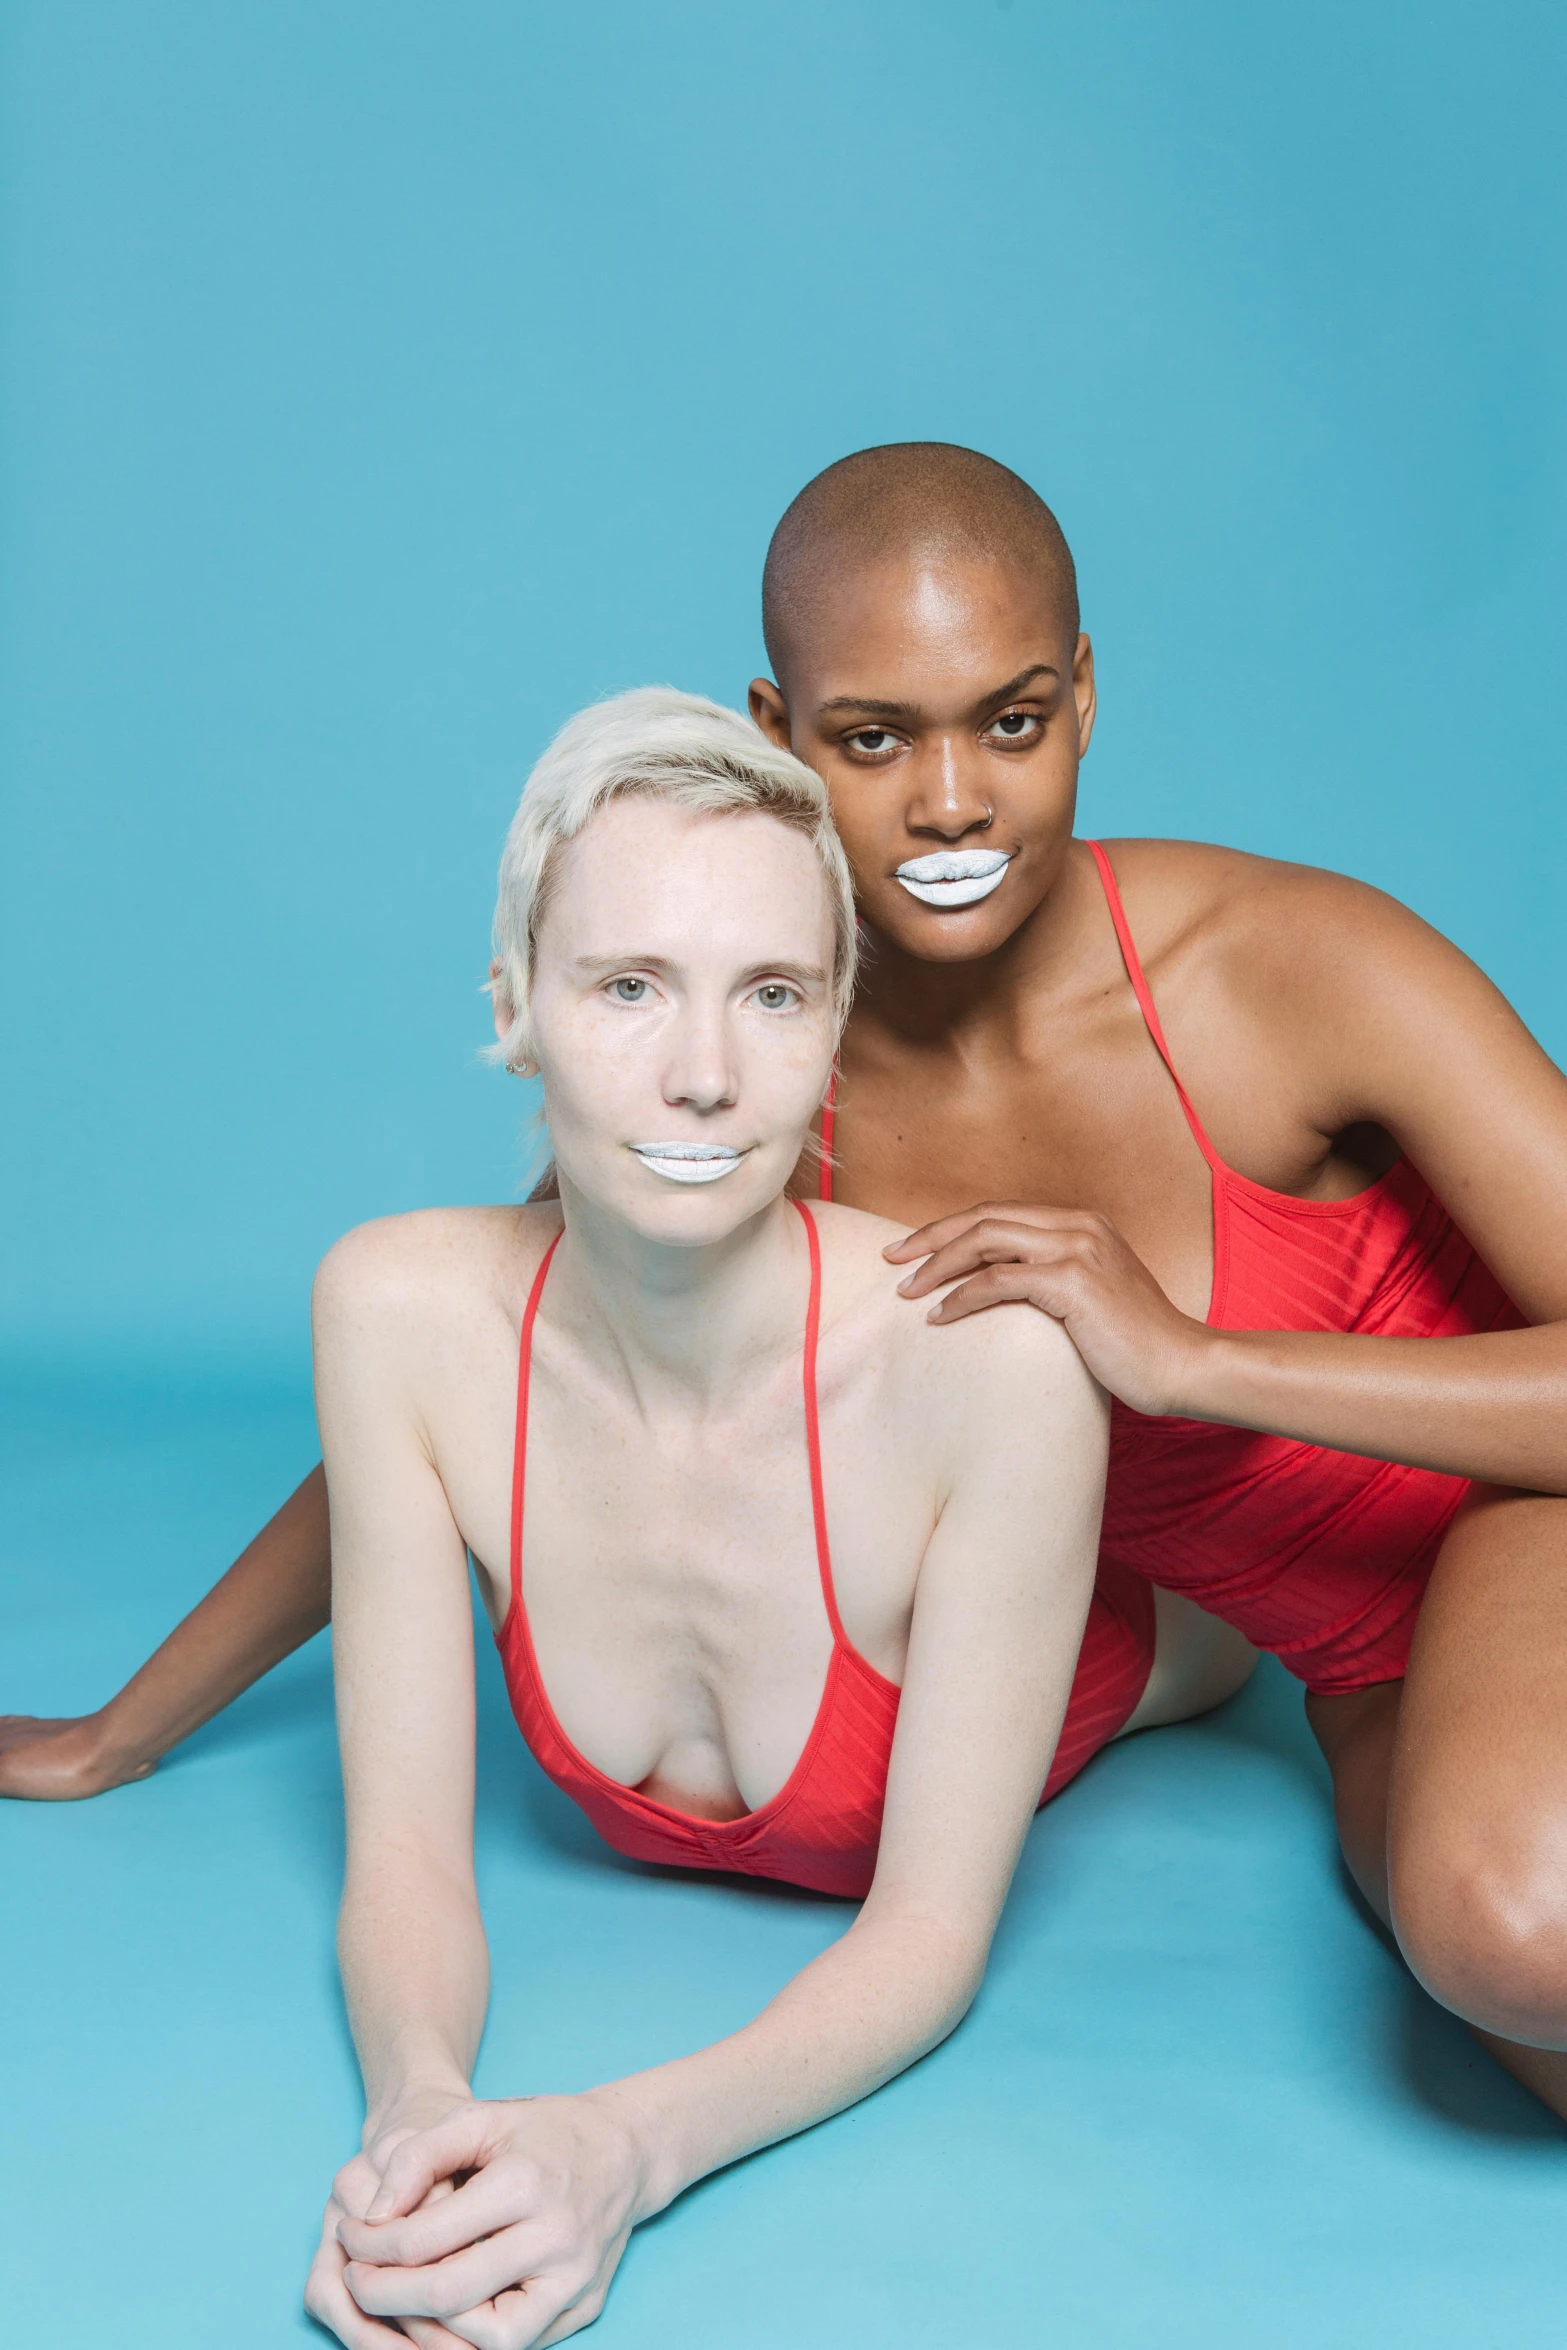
954, 877
688, 1162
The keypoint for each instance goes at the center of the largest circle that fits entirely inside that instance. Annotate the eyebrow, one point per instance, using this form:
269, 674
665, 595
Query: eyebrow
1000, 693
809, 974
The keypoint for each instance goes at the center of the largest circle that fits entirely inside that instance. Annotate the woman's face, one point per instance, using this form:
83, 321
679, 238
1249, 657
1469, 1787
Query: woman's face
682, 1014
946, 708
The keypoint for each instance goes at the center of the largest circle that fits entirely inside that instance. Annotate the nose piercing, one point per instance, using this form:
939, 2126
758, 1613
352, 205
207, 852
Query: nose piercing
990, 818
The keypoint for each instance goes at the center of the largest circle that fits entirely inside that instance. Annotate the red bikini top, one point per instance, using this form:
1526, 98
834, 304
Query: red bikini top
823, 1826
1320, 1556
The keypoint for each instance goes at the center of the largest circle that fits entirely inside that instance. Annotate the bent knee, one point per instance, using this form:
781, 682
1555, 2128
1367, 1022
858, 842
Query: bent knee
1484, 1929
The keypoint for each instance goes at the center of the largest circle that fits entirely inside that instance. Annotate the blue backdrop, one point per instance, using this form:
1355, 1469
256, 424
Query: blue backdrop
385, 380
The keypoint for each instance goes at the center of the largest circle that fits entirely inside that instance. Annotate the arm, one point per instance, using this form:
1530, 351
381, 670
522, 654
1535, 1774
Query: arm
534, 2237
1386, 1024
274, 1597
411, 1943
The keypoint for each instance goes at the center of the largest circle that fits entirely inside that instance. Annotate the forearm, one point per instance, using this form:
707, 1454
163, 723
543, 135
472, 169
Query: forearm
416, 1976
870, 2006
276, 1595
1492, 1406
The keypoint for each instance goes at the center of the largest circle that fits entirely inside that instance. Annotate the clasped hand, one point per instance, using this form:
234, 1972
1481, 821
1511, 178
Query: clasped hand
1075, 1266
500, 2226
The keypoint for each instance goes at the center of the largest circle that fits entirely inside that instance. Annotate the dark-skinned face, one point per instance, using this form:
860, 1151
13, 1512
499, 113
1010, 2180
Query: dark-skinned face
946, 709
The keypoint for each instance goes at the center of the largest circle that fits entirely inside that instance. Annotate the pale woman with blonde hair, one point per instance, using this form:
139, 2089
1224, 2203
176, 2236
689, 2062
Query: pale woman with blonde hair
784, 1579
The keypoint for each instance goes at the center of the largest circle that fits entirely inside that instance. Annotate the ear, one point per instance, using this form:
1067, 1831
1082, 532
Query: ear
1085, 694
504, 1015
500, 1008
770, 712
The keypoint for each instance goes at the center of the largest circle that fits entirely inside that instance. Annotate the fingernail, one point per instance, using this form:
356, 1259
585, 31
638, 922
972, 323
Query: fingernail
905, 1285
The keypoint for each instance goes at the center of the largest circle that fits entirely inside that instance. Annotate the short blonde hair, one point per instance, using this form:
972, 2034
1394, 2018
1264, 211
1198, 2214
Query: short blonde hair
665, 745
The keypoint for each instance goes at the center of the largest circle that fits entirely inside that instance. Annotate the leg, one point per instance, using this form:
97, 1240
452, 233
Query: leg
1451, 1787
1198, 1663
277, 1593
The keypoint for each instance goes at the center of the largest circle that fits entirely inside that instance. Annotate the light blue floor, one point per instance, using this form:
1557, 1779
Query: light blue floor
1198, 2103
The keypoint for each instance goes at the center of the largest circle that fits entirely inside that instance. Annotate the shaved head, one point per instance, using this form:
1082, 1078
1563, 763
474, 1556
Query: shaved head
911, 501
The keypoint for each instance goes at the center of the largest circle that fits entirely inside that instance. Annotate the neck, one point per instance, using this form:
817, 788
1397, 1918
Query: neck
697, 1318
989, 999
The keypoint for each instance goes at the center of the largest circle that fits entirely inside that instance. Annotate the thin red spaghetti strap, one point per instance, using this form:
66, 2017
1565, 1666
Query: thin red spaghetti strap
519, 1461
829, 1121
1145, 1002
813, 1434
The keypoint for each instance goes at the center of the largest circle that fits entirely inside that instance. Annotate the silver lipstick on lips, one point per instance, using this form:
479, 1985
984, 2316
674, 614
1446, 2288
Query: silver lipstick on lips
688, 1162
954, 877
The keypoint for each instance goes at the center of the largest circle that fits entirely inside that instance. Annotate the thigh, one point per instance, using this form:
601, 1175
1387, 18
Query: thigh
1451, 1786
1480, 1762
1464, 1762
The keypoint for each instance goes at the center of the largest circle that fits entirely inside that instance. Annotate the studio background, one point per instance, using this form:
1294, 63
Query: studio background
384, 381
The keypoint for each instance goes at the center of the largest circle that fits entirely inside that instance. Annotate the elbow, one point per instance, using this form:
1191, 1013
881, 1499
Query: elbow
389, 1889
936, 1962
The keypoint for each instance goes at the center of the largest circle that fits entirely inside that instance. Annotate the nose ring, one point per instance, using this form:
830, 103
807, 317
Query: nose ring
990, 818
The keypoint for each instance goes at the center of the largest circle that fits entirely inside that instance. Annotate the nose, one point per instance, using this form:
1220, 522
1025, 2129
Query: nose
947, 796
701, 1071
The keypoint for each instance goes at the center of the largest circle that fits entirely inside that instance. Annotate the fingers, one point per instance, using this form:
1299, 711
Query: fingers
998, 1285
460, 2142
329, 2302
581, 2313
355, 2188
430, 2334
512, 2257
539, 2311
499, 2197
937, 1233
995, 1240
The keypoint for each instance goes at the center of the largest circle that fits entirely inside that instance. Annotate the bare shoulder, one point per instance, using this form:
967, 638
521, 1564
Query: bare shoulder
413, 1267
1192, 898
948, 1379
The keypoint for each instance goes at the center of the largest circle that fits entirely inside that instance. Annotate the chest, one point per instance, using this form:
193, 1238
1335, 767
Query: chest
1089, 1116
675, 1590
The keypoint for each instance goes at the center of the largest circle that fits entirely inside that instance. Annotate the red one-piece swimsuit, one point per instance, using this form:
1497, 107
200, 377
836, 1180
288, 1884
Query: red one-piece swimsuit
1322, 1557
822, 1827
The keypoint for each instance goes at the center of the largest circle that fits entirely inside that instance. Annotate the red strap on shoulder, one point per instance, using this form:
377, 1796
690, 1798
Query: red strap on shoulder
1144, 995
813, 1434
519, 1460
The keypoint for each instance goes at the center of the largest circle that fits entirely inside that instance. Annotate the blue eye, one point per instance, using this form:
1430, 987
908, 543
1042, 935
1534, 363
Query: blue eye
629, 991
774, 996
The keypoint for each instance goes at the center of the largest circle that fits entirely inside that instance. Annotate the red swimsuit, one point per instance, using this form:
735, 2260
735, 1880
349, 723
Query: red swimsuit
822, 1827
1320, 1556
